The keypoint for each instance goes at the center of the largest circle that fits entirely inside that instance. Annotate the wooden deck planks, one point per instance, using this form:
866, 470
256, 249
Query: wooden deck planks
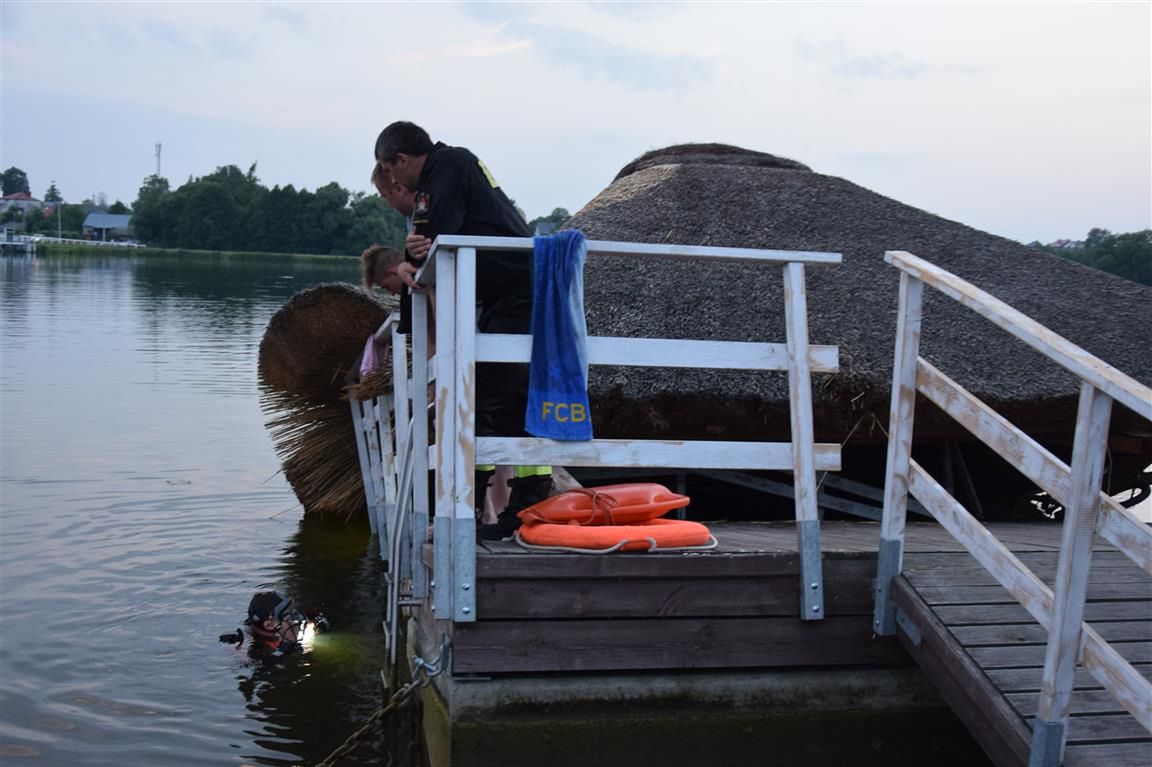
977, 637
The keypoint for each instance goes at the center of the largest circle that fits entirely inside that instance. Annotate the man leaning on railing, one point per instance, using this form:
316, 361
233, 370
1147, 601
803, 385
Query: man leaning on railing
456, 194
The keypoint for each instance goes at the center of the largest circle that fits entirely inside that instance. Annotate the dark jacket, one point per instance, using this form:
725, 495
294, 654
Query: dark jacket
458, 195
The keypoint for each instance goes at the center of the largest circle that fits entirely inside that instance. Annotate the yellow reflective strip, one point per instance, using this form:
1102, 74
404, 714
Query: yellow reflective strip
487, 174
532, 471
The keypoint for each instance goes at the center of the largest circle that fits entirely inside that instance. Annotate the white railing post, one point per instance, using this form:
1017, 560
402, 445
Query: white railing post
367, 475
900, 422
803, 443
419, 436
446, 309
462, 416
400, 439
382, 453
1049, 730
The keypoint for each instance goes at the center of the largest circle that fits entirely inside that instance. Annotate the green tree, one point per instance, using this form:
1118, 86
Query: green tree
1096, 237
149, 220
14, 180
207, 217
275, 224
373, 223
53, 194
1125, 255
558, 216
118, 207
71, 220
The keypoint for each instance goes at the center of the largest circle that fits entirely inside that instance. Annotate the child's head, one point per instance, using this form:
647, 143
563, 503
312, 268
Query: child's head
380, 264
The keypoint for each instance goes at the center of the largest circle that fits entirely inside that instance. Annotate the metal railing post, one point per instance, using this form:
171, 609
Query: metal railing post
900, 422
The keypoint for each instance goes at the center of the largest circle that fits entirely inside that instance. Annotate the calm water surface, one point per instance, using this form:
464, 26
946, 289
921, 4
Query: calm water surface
140, 508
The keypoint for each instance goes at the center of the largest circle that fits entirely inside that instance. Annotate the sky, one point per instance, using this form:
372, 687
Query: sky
1029, 120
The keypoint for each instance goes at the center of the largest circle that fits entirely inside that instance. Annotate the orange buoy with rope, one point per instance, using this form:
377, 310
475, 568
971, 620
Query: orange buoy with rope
652, 535
608, 505
600, 520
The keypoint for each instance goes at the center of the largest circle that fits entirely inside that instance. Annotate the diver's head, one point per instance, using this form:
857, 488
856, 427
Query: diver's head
273, 621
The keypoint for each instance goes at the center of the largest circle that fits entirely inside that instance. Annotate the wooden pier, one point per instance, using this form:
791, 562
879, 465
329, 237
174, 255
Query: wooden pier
1038, 635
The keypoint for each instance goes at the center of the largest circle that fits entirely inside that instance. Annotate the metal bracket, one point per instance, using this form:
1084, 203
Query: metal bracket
1047, 743
888, 567
811, 571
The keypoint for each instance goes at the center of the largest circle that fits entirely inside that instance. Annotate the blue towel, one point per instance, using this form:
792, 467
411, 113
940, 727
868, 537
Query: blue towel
558, 378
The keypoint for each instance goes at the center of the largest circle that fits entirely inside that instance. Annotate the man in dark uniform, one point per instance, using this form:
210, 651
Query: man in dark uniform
456, 194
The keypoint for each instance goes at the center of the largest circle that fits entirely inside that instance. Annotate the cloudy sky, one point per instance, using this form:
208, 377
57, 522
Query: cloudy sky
1029, 120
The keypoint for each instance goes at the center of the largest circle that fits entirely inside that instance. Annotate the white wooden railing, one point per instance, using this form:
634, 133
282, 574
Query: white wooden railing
455, 450
1087, 510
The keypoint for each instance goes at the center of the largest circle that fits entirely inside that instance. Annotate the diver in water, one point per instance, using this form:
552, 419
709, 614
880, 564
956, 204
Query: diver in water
275, 625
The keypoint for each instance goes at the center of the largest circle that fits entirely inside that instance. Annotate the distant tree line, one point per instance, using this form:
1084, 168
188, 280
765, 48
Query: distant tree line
231, 210
1125, 255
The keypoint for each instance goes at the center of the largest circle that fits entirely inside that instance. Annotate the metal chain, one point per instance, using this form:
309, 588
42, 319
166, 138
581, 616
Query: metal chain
422, 674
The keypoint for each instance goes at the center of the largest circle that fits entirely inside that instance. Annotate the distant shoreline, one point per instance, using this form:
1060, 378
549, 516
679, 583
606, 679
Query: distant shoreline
46, 249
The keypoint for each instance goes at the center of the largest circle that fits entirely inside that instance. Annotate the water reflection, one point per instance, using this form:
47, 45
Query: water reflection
140, 509
302, 705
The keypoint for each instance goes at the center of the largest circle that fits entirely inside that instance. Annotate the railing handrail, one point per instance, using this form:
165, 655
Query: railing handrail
1059, 609
613, 248
1115, 383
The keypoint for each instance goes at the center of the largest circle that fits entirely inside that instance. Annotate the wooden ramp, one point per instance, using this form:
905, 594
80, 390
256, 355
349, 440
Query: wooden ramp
985, 653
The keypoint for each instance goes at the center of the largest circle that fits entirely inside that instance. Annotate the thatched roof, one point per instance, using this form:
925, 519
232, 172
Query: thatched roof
710, 194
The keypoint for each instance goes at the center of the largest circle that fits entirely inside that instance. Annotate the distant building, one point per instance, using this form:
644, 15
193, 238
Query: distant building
545, 227
106, 227
21, 201
1066, 244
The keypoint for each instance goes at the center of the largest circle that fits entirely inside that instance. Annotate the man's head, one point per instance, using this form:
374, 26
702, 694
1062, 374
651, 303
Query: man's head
401, 149
380, 264
398, 197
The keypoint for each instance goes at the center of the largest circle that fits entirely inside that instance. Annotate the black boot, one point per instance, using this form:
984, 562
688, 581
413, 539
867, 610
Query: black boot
481, 489
526, 491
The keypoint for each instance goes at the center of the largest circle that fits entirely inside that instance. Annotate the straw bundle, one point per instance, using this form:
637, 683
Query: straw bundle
306, 354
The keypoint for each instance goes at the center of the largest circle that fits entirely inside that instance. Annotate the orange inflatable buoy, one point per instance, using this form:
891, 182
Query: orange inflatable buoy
651, 535
608, 505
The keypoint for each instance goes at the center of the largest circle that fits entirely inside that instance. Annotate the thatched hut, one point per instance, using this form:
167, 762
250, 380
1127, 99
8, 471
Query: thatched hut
718, 195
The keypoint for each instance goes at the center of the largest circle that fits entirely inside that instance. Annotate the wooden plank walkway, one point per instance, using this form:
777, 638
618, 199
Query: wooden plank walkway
985, 653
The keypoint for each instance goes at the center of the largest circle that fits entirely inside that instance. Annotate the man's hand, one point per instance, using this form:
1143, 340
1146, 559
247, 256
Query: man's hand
407, 273
417, 246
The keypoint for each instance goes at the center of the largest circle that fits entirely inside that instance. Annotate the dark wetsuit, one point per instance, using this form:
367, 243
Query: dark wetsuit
457, 195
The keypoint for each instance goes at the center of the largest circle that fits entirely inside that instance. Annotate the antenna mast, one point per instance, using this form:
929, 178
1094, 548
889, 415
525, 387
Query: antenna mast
158, 146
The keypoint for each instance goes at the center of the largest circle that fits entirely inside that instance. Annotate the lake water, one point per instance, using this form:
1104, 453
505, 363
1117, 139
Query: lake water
141, 507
